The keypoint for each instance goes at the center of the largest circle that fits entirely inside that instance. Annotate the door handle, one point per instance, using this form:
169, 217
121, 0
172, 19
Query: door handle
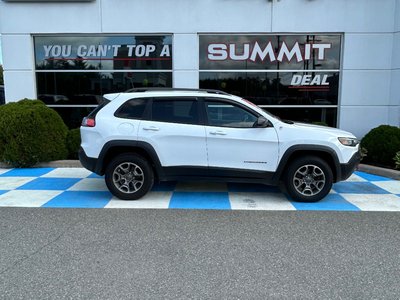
218, 132
151, 128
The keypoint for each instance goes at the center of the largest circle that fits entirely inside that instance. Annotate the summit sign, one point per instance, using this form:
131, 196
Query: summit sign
255, 52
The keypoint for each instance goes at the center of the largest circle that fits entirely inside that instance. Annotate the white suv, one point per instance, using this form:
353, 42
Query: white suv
143, 135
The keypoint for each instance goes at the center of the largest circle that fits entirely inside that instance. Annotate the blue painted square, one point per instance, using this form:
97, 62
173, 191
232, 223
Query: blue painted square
371, 177
72, 199
27, 172
349, 187
3, 192
165, 186
94, 175
330, 202
54, 184
252, 188
200, 200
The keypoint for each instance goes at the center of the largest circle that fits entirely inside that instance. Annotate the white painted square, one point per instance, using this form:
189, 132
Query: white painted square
27, 198
2, 171
356, 178
201, 187
370, 202
150, 200
89, 184
390, 186
11, 183
68, 173
260, 201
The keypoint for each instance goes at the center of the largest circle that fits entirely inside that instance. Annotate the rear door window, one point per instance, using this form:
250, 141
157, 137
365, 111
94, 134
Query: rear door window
184, 111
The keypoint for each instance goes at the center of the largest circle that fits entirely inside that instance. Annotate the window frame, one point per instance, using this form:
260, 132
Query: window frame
145, 111
200, 119
230, 102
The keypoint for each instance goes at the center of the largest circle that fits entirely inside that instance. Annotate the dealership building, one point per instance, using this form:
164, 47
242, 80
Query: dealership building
335, 62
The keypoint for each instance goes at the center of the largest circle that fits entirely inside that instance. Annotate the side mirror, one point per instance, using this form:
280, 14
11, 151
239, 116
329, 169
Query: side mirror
262, 122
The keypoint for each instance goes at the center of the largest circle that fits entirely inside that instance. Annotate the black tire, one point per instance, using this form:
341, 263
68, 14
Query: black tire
308, 179
129, 176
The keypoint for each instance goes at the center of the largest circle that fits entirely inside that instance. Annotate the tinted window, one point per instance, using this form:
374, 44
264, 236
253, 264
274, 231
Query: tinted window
87, 88
132, 109
228, 115
175, 111
105, 52
276, 88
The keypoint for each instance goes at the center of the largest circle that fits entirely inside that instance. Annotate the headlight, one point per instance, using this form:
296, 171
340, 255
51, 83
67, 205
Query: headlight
348, 141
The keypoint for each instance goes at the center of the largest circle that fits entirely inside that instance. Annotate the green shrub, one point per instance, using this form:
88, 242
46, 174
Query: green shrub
397, 160
73, 143
30, 132
382, 143
320, 123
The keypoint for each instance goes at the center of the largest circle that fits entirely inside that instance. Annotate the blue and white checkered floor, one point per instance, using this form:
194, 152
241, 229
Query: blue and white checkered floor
79, 188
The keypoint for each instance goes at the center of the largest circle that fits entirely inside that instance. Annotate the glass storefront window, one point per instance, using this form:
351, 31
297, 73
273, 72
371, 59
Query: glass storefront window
274, 88
295, 75
136, 52
79, 88
75, 71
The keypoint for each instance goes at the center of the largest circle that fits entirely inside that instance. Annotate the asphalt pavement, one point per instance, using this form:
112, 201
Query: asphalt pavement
198, 254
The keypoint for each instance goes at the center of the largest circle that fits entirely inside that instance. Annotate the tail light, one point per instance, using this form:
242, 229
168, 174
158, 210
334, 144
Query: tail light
88, 122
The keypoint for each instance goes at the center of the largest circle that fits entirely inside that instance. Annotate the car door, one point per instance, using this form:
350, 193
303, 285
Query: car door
232, 140
175, 132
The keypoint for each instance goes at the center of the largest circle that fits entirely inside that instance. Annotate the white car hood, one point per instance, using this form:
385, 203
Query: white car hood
328, 130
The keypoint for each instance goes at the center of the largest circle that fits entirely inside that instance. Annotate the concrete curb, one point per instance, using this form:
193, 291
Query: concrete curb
379, 171
53, 164
76, 164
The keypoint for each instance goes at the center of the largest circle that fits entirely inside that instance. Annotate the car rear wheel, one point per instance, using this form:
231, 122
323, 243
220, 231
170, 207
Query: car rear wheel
129, 176
308, 179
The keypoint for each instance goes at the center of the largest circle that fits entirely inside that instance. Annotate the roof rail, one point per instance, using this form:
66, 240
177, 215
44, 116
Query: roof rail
155, 89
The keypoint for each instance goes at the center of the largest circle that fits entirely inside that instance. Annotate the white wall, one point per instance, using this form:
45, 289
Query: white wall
370, 86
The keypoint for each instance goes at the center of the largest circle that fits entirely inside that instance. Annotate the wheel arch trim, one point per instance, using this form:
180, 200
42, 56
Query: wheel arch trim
290, 153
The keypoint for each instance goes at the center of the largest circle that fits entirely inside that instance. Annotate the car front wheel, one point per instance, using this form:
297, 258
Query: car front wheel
129, 177
308, 179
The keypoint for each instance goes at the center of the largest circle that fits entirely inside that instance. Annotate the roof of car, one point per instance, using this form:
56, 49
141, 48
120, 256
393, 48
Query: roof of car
143, 90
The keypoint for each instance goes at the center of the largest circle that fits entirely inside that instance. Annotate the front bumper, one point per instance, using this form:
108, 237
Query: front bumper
347, 169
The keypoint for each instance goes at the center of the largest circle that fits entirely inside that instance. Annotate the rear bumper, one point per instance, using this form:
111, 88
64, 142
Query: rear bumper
87, 162
347, 169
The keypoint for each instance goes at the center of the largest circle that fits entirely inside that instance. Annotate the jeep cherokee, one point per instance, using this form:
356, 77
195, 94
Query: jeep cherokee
143, 135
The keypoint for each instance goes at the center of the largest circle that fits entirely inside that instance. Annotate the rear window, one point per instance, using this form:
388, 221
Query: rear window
94, 112
132, 109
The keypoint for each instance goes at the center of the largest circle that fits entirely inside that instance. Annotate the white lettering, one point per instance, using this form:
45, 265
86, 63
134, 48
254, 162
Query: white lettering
306, 80
165, 51
130, 49
102, 50
307, 51
321, 49
268, 50
140, 50
47, 49
66, 50
81, 50
324, 80
56, 51
243, 56
296, 79
217, 52
316, 80
91, 51
284, 51
150, 49
115, 49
